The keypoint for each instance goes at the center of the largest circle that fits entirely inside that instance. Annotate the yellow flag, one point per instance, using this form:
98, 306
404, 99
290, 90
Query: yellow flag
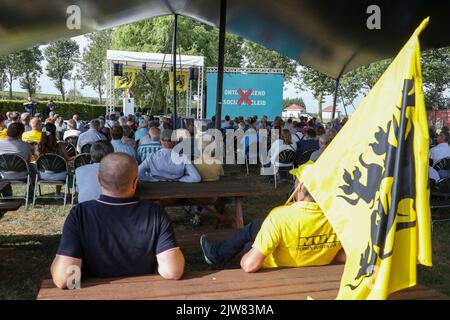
125, 81
372, 183
182, 80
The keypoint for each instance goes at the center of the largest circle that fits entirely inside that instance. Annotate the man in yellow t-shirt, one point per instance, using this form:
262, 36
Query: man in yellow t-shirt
293, 235
34, 135
2, 127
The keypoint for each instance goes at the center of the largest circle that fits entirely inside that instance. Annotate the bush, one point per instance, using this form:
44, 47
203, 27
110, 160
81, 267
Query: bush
64, 109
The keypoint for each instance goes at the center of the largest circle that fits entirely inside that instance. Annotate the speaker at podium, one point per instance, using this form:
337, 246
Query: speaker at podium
128, 106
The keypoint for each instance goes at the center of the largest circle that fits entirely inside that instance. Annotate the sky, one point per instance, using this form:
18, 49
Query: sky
290, 91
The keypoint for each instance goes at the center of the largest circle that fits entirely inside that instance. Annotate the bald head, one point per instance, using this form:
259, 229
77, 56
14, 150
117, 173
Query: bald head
118, 174
35, 124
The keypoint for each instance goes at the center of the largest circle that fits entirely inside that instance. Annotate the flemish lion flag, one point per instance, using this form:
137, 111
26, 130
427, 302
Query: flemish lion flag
182, 80
125, 81
372, 183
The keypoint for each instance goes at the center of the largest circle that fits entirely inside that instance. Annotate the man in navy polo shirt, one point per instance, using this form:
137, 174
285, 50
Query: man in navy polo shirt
117, 235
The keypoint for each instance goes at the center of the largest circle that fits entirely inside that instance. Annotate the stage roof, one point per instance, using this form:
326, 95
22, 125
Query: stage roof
328, 35
154, 61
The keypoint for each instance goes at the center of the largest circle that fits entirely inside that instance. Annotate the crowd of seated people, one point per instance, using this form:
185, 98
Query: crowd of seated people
106, 189
439, 152
101, 232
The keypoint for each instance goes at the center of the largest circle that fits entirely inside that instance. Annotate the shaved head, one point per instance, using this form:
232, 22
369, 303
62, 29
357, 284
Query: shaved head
35, 123
118, 173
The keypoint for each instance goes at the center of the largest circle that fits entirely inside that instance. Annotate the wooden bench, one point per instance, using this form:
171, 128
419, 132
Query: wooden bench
286, 284
8, 205
217, 192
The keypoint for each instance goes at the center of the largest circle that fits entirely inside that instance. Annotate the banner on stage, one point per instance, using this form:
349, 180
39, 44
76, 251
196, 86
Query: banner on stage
246, 94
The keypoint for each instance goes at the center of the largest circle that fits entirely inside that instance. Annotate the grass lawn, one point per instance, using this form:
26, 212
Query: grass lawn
29, 238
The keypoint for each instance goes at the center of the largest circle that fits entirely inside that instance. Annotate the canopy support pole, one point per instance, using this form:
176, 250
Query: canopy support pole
220, 64
174, 69
336, 89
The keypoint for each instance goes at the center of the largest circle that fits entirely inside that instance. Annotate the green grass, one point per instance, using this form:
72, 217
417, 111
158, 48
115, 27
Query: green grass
29, 239
43, 96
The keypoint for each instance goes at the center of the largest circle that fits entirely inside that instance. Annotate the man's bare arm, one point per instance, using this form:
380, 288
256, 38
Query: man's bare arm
60, 269
252, 260
171, 264
340, 257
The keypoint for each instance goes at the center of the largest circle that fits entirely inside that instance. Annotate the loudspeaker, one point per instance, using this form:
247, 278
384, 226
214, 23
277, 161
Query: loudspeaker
118, 69
193, 73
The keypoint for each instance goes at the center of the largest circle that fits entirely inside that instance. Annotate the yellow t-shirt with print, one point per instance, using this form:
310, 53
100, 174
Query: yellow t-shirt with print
3, 133
32, 136
297, 235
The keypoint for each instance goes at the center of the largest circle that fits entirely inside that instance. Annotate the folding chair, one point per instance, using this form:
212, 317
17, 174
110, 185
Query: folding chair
70, 149
285, 163
80, 160
443, 167
86, 148
72, 140
51, 163
13, 164
440, 199
251, 153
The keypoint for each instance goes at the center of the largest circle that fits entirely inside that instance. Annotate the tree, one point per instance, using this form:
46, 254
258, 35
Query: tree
290, 101
94, 61
2, 74
436, 77
155, 35
30, 69
367, 76
11, 63
258, 56
350, 86
73, 94
61, 56
319, 83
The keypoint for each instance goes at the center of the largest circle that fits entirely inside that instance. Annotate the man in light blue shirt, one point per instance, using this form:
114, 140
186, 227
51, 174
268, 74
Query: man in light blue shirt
91, 136
142, 131
116, 141
165, 165
86, 176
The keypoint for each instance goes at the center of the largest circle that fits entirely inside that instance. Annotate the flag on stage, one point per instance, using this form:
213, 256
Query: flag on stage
182, 80
126, 80
372, 183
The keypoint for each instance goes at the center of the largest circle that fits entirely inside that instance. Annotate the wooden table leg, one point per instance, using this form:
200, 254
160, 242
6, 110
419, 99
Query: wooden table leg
219, 206
239, 216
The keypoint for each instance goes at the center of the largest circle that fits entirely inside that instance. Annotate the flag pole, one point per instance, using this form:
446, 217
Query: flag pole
335, 97
220, 62
381, 235
174, 69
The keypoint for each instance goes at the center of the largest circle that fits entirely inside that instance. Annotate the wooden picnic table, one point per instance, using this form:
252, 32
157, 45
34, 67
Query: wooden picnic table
277, 284
205, 194
8, 205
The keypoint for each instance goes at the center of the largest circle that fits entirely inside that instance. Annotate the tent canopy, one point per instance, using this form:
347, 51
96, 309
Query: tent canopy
328, 35
153, 61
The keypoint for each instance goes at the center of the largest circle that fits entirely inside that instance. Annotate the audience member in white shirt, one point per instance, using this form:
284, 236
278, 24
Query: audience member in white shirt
72, 129
442, 150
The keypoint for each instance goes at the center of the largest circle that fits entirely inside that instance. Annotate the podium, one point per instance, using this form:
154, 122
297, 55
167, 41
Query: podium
128, 106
